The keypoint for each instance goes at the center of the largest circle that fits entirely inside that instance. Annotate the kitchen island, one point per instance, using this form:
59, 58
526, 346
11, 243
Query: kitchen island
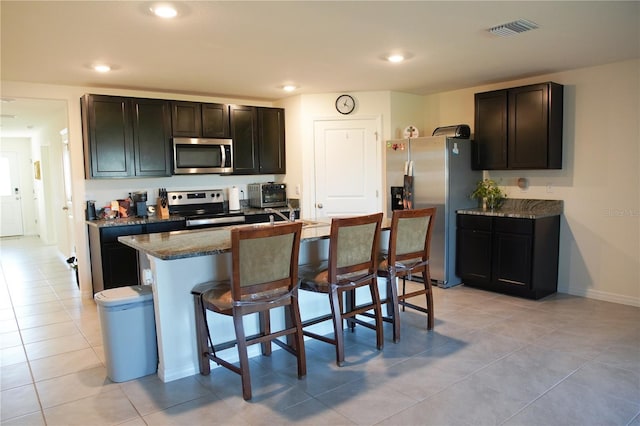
175, 262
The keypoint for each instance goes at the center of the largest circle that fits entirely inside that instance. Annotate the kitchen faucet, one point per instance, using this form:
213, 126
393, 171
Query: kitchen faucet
291, 218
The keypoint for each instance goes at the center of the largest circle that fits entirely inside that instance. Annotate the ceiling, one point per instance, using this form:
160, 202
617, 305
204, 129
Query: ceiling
249, 50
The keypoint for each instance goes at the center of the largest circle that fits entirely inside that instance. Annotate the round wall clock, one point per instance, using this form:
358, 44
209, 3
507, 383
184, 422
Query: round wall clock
345, 104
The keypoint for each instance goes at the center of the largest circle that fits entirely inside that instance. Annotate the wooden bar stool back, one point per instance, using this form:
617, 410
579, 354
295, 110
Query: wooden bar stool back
408, 254
264, 277
353, 246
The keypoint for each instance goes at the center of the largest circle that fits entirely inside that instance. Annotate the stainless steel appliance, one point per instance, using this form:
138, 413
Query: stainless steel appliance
202, 208
202, 156
458, 131
268, 194
433, 172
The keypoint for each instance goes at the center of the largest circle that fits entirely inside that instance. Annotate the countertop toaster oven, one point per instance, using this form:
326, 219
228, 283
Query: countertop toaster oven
268, 194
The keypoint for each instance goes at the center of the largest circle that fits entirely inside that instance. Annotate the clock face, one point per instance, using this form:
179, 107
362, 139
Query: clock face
345, 104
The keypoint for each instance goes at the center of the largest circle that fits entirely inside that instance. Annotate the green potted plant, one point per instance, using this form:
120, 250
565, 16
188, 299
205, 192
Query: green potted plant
489, 194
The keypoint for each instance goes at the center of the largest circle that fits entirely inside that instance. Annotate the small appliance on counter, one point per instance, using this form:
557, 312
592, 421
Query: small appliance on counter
91, 210
139, 199
268, 194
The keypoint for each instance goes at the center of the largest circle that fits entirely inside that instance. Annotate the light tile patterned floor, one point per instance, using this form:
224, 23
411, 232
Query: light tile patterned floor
491, 360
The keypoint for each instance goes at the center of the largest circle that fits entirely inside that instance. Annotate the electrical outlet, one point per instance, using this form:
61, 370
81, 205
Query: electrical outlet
549, 188
147, 276
298, 189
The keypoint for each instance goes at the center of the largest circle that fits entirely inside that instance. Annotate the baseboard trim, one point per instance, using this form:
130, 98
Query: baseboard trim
606, 296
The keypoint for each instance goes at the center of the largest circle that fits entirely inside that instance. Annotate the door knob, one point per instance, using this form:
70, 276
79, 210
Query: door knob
319, 205
65, 208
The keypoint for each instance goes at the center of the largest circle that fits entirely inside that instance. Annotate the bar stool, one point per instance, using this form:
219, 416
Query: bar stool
351, 264
264, 277
408, 253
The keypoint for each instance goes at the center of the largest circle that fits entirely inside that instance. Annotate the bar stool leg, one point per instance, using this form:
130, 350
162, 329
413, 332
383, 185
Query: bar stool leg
202, 336
243, 357
336, 310
427, 285
393, 307
373, 286
265, 329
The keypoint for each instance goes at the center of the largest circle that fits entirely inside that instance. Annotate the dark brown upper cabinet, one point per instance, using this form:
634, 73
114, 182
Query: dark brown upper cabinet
195, 120
519, 128
244, 132
258, 135
126, 137
271, 137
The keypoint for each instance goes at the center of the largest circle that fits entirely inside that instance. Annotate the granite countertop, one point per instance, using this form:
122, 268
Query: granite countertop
101, 223
521, 208
209, 241
125, 221
203, 242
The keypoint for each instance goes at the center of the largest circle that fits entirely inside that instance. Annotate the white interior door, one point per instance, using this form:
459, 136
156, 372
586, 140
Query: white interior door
10, 196
347, 167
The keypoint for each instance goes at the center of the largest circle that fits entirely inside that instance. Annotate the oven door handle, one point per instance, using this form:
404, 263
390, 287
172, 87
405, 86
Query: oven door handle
215, 221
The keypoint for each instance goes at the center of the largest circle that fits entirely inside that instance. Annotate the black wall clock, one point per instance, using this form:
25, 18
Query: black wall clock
345, 104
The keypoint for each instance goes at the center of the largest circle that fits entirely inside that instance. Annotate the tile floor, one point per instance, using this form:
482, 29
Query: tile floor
491, 359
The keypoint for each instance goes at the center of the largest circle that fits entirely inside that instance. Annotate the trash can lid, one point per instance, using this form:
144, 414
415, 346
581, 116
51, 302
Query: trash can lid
123, 295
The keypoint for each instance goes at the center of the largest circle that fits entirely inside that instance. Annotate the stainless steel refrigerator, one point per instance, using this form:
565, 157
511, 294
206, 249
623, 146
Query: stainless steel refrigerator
442, 178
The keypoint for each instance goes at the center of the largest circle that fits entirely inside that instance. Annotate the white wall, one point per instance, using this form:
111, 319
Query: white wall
407, 109
369, 105
599, 181
293, 145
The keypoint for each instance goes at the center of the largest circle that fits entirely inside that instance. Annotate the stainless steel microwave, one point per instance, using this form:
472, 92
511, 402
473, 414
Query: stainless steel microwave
202, 156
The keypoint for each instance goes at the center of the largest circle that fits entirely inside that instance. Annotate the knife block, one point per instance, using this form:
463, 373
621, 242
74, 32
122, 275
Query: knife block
162, 210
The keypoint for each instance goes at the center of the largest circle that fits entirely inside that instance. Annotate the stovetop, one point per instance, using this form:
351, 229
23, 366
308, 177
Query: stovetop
203, 198
202, 207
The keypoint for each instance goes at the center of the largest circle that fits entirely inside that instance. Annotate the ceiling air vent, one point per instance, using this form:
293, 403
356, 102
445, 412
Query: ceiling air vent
512, 28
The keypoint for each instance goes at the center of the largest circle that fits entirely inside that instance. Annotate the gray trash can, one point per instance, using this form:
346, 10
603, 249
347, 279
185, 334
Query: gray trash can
128, 332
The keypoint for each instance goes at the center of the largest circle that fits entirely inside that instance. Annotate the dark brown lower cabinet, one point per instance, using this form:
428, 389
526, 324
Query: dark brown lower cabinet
113, 264
510, 255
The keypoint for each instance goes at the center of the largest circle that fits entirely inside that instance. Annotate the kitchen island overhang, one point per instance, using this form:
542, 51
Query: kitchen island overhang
180, 260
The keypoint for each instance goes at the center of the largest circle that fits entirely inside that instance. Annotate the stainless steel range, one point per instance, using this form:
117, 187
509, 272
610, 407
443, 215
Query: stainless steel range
202, 208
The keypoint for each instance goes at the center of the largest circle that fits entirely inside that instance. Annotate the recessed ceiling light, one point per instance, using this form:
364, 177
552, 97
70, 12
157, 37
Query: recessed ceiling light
289, 87
102, 68
164, 10
395, 58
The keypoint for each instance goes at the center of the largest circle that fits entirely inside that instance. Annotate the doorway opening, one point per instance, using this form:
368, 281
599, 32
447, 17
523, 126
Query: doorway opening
31, 128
